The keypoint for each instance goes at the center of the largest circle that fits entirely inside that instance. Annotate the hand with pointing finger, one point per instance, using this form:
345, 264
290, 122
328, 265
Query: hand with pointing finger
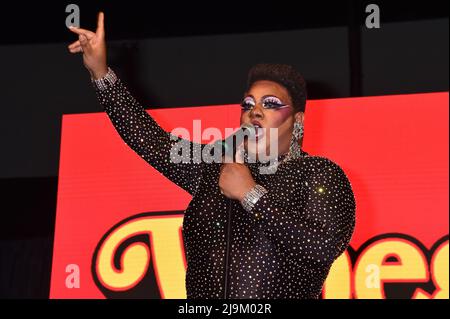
93, 47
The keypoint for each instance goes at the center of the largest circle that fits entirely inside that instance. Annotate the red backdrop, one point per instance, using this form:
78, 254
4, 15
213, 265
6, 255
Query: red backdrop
394, 150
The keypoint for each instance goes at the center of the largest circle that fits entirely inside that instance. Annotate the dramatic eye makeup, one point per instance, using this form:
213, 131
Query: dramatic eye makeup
272, 102
248, 103
267, 101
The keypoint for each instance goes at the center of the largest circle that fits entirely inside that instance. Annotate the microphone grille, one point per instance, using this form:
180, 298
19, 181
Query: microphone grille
247, 126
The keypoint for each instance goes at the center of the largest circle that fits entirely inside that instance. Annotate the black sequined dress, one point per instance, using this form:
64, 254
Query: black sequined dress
284, 248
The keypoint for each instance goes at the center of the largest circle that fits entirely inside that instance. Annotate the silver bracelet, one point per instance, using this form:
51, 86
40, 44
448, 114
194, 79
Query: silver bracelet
106, 81
252, 197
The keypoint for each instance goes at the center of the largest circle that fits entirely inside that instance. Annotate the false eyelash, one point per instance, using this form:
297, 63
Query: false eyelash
273, 100
247, 103
273, 105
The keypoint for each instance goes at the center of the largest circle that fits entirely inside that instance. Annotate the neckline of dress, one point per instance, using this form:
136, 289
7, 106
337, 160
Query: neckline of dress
273, 165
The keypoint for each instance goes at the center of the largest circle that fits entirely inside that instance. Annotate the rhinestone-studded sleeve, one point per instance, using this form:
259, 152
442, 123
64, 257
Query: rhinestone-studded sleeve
319, 229
144, 136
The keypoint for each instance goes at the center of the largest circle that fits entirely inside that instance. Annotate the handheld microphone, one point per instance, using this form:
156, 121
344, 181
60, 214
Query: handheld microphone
230, 144
229, 148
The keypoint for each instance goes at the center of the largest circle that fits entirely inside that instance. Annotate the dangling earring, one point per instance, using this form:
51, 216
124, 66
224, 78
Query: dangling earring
298, 130
295, 150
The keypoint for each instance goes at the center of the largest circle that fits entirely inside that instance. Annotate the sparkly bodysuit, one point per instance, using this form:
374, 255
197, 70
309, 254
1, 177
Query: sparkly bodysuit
283, 248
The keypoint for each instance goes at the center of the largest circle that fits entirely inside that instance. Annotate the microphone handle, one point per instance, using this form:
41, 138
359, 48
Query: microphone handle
235, 139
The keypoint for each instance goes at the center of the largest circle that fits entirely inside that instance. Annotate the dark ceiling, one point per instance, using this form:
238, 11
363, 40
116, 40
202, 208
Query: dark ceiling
44, 22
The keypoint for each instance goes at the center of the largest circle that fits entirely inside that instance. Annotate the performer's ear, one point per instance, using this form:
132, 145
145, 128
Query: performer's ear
299, 117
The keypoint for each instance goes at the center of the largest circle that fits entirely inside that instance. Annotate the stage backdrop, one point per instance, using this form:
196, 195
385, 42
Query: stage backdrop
118, 224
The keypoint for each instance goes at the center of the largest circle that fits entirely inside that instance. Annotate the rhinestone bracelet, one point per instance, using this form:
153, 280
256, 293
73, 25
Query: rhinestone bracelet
252, 196
106, 81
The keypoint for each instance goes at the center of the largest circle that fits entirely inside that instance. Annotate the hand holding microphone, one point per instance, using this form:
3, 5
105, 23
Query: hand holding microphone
235, 178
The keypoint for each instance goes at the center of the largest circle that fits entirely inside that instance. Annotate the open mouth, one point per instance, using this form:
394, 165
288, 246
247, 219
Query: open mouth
259, 130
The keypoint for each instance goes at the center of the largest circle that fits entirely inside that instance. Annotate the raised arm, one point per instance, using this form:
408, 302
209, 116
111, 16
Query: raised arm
136, 127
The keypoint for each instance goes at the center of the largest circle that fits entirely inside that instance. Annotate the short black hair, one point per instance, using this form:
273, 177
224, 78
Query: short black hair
285, 75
